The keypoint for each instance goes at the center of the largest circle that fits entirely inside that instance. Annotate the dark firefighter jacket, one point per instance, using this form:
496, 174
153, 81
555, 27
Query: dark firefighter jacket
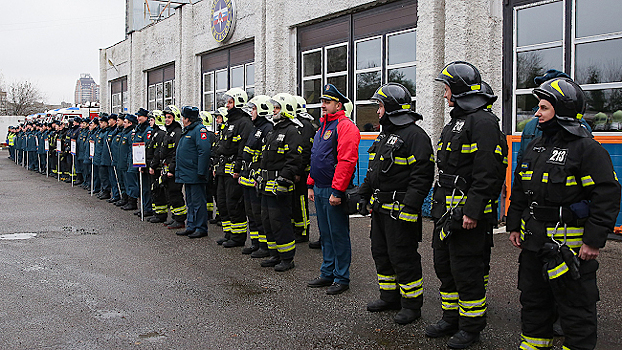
232, 140
570, 172
281, 158
252, 150
165, 157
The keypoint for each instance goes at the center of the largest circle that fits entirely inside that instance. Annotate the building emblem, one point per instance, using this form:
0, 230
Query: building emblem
223, 19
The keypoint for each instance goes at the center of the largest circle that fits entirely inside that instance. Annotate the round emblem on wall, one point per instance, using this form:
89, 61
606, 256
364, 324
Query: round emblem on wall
223, 19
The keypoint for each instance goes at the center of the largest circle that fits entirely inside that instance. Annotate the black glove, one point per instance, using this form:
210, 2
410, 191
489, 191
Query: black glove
362, 207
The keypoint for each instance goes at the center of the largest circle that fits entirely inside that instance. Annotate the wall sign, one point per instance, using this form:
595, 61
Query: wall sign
223, 19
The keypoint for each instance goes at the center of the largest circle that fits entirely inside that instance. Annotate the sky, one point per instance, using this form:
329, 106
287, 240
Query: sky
51, 42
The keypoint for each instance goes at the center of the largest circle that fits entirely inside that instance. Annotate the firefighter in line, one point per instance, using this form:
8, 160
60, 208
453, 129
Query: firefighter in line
261, 108
300, 209
83, 146
92, 139
220, 119
114, 137
10, 141
163, 166
230, 195
153, 148
140, 134
125, 149
31, 146
192, 168
103, 156
399, 178
565, 201
74, 169
471, 160
41, 134
280, 164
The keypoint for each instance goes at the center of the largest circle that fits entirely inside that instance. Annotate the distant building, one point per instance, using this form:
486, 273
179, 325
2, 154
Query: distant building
4, 103
86, 89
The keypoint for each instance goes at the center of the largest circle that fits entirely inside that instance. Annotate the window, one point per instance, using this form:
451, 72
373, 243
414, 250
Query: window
357, 53
585, 45
226, 69
390, 58
118, 96
328, 65
161, 87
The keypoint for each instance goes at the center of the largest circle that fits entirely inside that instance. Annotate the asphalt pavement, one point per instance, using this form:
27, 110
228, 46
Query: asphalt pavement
92, 276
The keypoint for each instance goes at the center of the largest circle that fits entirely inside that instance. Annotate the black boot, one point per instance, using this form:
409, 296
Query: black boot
440, 329
315, 245
122, 202
381, 305
254, 247
284, 265
406, 316
462, 340
131, 204
273, 261
158, 218
260, 253
105, 195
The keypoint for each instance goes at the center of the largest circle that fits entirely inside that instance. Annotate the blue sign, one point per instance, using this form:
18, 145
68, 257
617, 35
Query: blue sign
222, 19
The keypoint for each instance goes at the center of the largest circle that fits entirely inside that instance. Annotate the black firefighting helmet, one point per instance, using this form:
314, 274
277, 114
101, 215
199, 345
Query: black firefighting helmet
568, 100
465, 83
397, 104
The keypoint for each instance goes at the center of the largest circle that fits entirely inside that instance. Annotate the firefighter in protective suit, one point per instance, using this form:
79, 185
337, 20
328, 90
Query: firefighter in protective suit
261, 108
564, 203
471, 159
153, 148
230, 196
163, 165
280, 163
300, 200
399, 178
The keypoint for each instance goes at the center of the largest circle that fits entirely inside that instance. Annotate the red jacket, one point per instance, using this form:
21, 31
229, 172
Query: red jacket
324, 172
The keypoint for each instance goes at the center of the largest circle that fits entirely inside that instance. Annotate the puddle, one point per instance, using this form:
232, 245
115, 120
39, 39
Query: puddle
108, 314
152, 335
19, 235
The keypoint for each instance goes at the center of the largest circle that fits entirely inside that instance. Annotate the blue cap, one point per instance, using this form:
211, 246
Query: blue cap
142, 112
131, 118
189, 112
330, 92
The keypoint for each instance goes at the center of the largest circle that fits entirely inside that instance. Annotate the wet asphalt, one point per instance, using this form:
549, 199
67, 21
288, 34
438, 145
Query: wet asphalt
95, 277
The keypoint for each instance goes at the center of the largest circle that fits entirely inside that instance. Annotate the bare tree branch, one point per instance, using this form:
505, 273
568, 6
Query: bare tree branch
24, 98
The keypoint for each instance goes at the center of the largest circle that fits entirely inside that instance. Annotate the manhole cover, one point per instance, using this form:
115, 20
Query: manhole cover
20, 235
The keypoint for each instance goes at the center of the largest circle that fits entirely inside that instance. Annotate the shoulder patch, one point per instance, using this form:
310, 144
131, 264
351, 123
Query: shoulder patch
327, 134
203, 130
458, 126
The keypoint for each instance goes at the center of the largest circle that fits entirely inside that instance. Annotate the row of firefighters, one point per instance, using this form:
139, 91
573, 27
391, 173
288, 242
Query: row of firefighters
267, 156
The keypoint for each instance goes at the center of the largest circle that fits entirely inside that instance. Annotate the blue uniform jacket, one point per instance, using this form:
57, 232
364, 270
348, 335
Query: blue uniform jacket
141, 133
193, 155
125, 148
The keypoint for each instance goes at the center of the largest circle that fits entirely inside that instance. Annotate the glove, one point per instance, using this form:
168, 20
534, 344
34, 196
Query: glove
361, 206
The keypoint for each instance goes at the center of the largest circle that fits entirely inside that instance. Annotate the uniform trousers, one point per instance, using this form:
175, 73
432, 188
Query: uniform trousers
300, 209
114, 184
543, 300
104, 177
230, 197
334, 226
196, 200
158, 195
42, 161
33, 160
252, 204
394, 246
461, 263
175, 200
276, 217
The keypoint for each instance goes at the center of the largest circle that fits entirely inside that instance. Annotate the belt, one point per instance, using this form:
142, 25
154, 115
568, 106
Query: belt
389, 196
269, 174
551, 214
452, 181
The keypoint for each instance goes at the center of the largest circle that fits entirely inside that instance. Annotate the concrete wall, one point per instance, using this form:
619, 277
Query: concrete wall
447, 30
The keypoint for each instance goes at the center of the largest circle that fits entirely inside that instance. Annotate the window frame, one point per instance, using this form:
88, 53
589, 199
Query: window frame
527, 48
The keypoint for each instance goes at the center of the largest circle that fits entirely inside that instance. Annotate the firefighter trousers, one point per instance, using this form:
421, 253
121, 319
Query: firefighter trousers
394, 246
461, 263
230, 197
300, 210
252, 204
159, 204
276, 216
175, 200
544, 300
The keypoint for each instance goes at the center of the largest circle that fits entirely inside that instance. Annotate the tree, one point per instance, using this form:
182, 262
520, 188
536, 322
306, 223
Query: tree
23, 98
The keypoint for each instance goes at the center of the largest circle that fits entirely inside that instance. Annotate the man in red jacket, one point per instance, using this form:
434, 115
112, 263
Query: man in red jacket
333, 161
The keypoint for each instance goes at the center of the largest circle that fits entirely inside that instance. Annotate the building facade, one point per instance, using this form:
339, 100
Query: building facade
294, 47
